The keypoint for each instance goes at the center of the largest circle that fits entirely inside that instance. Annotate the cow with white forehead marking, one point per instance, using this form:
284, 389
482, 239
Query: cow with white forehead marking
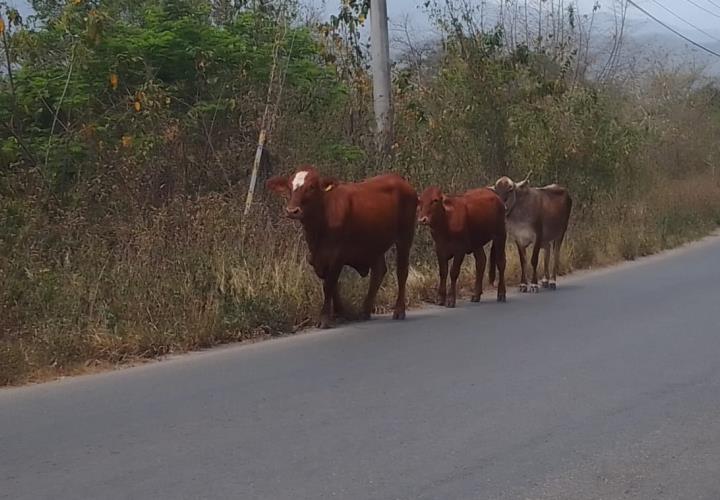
537, 216
352, 224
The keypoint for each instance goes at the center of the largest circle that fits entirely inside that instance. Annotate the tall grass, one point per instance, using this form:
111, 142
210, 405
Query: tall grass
189, 277
150, 254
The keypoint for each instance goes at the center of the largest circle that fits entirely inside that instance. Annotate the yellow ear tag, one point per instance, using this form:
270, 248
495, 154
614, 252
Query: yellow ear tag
328, 188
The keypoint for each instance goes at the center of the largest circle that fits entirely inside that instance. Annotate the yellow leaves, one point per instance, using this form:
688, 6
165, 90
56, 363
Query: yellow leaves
2, 26
114, 80
323, 29
77, 2
126, 141
171, 132
138, 98
87, 132
95, 21
361, 18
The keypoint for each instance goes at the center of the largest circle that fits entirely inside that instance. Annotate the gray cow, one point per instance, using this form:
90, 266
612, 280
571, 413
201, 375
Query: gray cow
537, 216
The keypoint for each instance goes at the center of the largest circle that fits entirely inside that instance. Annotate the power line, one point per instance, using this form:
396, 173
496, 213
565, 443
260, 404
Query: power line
703, 8
693, 42
685, 21
713, 3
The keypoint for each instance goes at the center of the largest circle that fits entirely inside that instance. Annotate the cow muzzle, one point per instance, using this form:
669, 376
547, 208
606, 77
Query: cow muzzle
293, 212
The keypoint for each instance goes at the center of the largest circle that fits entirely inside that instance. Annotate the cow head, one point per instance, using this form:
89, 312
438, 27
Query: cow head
508, 191
432, 204
305, 190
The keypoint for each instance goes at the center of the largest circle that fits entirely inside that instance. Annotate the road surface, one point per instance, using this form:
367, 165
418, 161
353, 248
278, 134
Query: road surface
608, 388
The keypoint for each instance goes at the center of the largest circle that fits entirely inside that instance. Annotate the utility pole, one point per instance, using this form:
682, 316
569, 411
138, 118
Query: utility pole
382, 85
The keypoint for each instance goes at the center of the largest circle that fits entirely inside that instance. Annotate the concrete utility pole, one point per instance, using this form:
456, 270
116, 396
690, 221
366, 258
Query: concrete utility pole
382, 85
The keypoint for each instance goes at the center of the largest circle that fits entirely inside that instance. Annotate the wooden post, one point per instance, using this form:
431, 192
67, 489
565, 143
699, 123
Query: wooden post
265, 124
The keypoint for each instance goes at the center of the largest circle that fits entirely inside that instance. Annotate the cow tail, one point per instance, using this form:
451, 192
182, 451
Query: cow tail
493, 261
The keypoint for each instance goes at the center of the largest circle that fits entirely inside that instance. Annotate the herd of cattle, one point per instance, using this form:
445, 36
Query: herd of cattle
355, 224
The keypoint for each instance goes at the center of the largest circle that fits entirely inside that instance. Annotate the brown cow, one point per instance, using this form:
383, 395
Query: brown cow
536, 216
462, 225
352, 224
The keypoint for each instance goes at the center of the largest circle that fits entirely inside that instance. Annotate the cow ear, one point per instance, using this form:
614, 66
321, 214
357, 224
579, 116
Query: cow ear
278, 184
521, 184
492, 188
328, 183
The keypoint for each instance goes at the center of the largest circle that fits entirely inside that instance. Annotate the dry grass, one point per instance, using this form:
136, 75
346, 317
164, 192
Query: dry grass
188, 277
121, 271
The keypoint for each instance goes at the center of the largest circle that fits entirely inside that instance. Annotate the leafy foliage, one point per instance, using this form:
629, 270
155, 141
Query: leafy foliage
96, 73
127, 128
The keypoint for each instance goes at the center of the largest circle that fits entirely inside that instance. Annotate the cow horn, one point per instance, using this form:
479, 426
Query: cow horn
523, 182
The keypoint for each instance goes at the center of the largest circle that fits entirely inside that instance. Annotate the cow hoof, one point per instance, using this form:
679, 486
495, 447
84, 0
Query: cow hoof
545, 284
324, 324
450, 304
501, 298
523, 288
552, 285
399, 315
365, 316
441, 301
475, 298
534, 288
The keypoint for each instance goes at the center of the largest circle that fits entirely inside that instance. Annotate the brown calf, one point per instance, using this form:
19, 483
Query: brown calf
352, 224
462, 225
536, 216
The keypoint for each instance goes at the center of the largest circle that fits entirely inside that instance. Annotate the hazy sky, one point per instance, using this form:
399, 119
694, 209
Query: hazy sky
708, 21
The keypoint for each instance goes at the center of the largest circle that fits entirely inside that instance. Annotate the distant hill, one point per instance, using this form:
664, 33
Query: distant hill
646, 43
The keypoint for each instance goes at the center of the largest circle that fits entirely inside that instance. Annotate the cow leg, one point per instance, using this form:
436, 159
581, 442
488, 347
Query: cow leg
500, 261
546, 265
377, 273
480, 261
442, 287
552, 282
534, 263
403, 269
523, 264
338, 308
329, 290
557, 246
454, 273
493, 264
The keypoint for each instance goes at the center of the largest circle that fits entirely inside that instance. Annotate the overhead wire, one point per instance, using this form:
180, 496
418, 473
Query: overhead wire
656, 2
693, 2
713, 3
670, 28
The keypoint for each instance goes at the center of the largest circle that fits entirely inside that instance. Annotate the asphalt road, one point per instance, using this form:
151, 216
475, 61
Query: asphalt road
608, 388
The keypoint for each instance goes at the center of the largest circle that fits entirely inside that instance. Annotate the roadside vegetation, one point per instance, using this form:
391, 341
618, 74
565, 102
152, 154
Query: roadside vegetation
128, 129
